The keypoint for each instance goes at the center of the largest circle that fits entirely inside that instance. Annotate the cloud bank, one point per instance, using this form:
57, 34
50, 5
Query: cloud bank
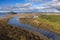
51, 6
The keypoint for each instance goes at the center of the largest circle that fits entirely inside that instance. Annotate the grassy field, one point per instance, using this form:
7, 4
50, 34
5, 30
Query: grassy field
8, 32
53, 20
47, 22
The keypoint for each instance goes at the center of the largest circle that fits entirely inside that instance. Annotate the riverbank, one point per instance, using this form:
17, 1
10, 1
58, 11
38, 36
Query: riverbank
9, 32
44, 23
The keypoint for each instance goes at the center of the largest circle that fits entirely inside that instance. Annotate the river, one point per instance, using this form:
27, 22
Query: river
2, 15
16, 22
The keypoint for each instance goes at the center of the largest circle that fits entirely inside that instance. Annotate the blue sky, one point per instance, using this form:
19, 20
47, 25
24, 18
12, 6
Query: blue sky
30, 5
12, 2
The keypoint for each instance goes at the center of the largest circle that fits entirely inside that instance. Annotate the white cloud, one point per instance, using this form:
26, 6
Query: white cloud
23, 5
54, 0
36, 0
51, 6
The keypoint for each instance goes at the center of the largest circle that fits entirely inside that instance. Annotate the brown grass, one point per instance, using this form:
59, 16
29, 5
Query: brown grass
8, 32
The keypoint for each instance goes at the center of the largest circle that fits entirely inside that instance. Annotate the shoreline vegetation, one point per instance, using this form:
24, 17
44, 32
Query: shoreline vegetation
8, 32
47, 22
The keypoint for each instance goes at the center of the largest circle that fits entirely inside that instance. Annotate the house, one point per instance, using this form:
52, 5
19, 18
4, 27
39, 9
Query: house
35, 16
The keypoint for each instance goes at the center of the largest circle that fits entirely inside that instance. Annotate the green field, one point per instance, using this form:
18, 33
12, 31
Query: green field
53, 20
47, 22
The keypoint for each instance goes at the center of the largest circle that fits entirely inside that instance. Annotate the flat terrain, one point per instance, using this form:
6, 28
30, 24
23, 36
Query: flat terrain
9, 32
47, 22
52, 20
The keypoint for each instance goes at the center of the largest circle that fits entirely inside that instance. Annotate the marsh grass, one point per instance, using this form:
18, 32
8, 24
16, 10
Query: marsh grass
8, 32
53, 20
47, 22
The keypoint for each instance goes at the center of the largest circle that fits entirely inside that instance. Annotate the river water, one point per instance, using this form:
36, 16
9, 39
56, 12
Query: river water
16, 22
2, 15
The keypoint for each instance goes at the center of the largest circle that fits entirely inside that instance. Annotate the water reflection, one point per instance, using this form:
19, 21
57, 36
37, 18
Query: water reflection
2, 15
15, 22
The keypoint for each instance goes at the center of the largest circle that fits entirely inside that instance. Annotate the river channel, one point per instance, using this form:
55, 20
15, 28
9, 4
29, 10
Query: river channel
16, 22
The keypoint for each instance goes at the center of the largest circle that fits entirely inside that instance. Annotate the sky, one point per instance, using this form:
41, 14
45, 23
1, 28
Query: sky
11, 2
30, 5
